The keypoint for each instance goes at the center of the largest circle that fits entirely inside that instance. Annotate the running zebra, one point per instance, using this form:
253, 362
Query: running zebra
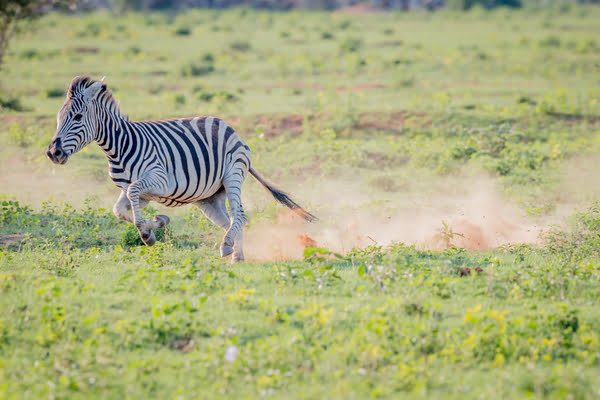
200, 161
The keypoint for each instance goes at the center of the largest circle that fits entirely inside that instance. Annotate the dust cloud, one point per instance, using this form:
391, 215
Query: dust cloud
473, 215
463, 211
35, 181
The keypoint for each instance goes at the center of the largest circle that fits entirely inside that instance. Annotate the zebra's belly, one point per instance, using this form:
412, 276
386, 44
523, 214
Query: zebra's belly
182, 200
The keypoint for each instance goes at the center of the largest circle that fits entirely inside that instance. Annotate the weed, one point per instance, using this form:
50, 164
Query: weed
195, 69
240, 45
54, 92
183, 31
350, 45
11, 103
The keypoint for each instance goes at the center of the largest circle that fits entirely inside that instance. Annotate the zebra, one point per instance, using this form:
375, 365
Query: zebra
200, 161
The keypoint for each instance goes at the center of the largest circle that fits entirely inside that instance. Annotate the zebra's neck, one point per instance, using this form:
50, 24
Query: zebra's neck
114, 130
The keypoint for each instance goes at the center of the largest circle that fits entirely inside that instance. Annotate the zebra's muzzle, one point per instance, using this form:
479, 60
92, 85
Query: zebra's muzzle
56, 154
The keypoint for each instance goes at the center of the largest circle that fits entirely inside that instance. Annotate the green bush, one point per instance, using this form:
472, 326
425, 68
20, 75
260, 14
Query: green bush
487, 4
54, 92
550, 41
30, 54
19, 135
11, 103
92, 29
240, 46
179, 99
351, 45
183, 31
208, 96
194, 69
130, 237
582, 240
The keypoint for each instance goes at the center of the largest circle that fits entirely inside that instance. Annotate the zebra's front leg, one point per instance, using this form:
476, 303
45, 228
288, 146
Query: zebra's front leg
153, 185
122, 208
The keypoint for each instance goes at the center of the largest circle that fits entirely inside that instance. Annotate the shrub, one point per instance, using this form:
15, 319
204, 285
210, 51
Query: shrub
550, 41
350, 45
134, 50
240, 46
345, 24
209, 96
54, 92
30, 54
193, 69
92, 29
488, 4
183, 31
11, 103
179, 99
130, 237
582, 240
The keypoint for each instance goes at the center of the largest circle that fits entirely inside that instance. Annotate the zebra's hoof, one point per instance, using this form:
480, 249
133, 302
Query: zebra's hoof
162, 220
148, 238
226, 250
237, 258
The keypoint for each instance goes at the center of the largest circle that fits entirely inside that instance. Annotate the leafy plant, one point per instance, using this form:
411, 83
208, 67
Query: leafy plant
130, 237
240, 45
11, 103
196, 69
183, 31
351, 45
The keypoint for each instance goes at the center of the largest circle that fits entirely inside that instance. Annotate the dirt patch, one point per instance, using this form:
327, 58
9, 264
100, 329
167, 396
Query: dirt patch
273, 125
183, 345
466, 271
359, 9
17, 119
390, 43
392, 121
361, 87
12, 119
86, 50
575, 119
11, 239
174, 88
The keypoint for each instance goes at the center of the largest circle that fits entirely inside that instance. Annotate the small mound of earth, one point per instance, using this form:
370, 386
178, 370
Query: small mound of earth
359, 9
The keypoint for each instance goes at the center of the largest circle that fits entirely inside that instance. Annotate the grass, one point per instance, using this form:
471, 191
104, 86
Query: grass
392, 104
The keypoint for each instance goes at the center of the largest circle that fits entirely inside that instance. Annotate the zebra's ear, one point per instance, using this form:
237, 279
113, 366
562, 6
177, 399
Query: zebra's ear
91, 92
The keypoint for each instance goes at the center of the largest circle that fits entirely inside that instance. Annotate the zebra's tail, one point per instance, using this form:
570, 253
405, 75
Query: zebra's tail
282, 197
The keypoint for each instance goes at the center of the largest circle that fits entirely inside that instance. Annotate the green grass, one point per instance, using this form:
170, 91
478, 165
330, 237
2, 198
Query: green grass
394, 108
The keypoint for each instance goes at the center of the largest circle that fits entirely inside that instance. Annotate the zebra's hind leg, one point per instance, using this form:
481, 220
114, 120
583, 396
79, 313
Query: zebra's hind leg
214, 209
232, 241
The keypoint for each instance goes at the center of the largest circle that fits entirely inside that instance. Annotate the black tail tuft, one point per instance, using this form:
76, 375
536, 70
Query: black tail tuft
283, 197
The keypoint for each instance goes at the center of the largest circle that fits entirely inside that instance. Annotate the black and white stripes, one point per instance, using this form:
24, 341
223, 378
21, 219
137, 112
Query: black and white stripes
199, 161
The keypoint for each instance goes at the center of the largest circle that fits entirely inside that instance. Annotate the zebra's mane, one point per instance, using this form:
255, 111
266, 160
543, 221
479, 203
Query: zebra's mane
80, 83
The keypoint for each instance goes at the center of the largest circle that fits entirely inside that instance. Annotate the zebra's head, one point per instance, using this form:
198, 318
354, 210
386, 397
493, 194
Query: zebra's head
76, 121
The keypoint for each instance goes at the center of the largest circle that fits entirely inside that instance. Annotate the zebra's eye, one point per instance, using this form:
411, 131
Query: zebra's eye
77, 117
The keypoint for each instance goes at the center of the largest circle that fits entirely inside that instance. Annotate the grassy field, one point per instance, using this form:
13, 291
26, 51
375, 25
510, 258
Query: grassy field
451, 158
